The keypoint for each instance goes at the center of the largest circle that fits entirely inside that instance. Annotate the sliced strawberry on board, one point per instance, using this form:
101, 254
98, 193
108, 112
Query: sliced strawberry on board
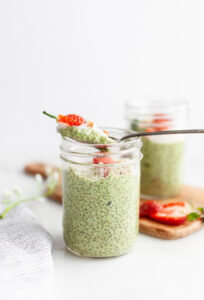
173, 213
149, 207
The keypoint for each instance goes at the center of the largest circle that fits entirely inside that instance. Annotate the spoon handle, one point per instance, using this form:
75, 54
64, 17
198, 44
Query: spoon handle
183, 131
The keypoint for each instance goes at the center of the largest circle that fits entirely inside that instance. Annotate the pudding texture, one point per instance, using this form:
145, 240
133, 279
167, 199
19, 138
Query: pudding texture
100, 216
85, 134
162, 165
162, 168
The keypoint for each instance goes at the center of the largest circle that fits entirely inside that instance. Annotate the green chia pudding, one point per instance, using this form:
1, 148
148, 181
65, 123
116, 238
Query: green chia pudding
101, 186
100, 216
77, 128
161, 168
85, 134
162, 164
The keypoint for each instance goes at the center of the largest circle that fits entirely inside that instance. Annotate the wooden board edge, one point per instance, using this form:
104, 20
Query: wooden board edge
158, 230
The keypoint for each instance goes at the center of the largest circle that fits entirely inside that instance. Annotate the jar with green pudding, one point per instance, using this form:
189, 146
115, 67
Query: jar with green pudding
101, 188
163, 156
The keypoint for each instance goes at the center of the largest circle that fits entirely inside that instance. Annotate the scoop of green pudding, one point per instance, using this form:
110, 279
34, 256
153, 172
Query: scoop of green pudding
85, 134
77, 128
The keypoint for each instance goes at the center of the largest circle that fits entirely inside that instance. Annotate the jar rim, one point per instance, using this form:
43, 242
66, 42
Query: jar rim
142, 109
177, 103
132, 146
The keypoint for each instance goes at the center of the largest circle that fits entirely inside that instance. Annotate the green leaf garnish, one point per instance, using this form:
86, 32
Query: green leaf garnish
193, 216
201, 209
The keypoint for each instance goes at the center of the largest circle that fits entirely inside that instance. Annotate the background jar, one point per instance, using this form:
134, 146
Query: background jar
100, 201
163, 156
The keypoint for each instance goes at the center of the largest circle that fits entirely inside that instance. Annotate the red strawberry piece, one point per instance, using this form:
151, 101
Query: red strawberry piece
103, 160
173, 213
150, 130
71, 120
172, 204
149, 207
102, 147
161, 119
162, 128
157, 129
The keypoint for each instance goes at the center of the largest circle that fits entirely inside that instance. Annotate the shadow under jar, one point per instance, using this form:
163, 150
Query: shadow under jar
101, 200
163, 156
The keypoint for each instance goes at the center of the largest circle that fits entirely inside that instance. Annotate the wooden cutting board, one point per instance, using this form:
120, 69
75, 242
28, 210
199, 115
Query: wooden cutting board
189, 194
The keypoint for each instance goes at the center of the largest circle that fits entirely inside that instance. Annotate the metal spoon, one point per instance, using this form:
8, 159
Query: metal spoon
139, 134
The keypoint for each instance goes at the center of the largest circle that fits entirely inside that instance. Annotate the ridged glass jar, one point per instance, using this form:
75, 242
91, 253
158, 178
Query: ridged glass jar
163, 156
101, 200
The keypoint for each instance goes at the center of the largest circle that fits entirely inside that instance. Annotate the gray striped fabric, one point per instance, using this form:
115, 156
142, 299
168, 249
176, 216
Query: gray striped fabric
25, 256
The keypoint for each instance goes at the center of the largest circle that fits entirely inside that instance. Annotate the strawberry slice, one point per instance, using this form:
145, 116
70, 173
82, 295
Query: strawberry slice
150, 130
161, 119
149, 207
71, 120
173, 213
103, 160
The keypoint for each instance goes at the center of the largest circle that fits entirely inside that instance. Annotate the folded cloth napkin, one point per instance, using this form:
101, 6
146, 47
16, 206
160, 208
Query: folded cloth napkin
25, 256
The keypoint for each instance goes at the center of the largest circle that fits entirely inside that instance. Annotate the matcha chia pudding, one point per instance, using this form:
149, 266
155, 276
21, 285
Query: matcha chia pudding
163, 156
162, 167
101, 196
100, 214
101, 187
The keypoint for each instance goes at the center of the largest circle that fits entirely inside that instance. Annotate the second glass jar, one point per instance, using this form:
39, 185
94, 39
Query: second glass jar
163, 156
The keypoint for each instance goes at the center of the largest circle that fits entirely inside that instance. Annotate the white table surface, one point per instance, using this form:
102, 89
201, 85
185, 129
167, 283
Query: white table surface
155, 269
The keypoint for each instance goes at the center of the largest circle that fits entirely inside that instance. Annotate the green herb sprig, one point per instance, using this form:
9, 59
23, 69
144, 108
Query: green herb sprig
13, 198
49, 115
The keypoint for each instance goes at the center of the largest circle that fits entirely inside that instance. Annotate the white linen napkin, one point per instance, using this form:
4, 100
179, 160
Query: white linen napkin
25, 256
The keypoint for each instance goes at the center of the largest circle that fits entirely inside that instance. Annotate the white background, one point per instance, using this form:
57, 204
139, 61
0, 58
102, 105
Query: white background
88, 57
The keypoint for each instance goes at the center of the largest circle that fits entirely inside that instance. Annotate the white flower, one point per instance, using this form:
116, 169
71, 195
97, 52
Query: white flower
39, 178
41, 199
55, 176
48, 170
7, 194
43, 189
17, 191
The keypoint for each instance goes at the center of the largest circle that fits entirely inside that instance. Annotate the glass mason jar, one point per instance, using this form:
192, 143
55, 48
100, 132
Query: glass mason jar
101, 187
163, 156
